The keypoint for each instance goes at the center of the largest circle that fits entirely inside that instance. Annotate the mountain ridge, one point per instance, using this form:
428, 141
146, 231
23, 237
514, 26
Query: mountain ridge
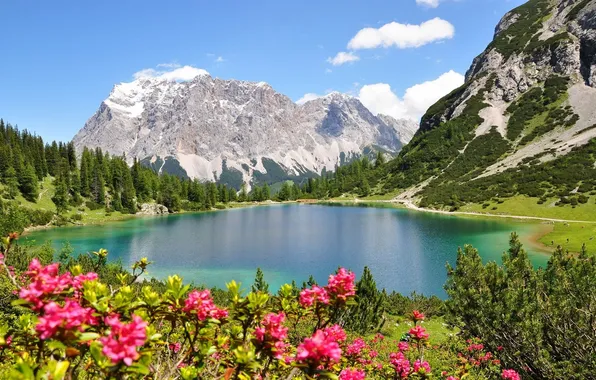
208, 127
524, 112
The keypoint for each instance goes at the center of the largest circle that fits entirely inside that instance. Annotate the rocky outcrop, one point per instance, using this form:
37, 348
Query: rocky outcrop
153, 209
215, 129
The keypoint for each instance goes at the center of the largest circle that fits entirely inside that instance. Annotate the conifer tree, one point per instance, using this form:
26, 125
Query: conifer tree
260, 285
28, 184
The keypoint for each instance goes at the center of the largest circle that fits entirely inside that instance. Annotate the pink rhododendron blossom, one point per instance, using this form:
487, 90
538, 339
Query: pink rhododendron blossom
400, 363
509, 374
336, 332
201, 304
175, 347
272, 333
56, 318
403, 346
342, 284
421, 367
124, 339
419, 333
356, 347
77, 281
352, 374
318, 348
44, 282
417, 316
316, 293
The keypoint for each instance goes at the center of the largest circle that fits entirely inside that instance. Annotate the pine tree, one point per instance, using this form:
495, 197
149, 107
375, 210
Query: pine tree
60, 197
12, 182
266, 192
367, 314
243, 196
380, 160
28, 184
260, 285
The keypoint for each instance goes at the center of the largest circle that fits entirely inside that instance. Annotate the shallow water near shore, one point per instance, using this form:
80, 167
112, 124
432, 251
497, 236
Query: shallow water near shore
406, 250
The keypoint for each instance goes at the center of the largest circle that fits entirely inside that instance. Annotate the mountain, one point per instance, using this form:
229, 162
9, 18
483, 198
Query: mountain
523, 123
236, 131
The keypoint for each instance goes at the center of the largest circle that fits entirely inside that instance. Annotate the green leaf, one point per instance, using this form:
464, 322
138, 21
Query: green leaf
85, 337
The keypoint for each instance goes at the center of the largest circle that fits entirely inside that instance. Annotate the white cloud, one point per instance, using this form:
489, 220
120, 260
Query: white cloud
328, 71
178, 73
171, 65
307, 98
343, 57
402, 36
220, 59
379, 98
428, 3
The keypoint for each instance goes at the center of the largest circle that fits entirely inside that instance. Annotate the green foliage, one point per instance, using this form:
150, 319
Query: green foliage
517, 36
542, 319
260, 285
367, 314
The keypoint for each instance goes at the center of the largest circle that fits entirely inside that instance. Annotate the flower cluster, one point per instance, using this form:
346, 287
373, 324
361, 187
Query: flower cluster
318, 349
340, 287
201, 304
272, 333
352, 374
124, 339
509, 374
418, 333
315, 294
62, 319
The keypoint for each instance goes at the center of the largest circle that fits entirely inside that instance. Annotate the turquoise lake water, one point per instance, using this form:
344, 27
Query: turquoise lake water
406, 250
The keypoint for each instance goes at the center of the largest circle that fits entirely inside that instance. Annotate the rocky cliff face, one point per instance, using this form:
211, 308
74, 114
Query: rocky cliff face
531, 93
235, 131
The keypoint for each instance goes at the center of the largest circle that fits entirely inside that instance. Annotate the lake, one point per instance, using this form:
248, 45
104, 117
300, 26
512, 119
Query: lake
405, 250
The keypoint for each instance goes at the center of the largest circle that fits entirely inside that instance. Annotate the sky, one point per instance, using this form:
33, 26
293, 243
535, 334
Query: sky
60, 59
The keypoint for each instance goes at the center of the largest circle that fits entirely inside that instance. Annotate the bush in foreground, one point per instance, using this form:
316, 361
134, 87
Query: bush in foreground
75, 326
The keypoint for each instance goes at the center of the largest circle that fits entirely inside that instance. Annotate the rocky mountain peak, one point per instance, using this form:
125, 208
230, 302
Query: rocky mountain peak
235, 131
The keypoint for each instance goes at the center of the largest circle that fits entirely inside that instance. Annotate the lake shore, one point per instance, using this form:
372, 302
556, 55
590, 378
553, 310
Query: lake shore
537, 240
119, 217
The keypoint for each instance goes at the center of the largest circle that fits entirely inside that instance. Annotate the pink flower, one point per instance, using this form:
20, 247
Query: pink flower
316, 293
356, 347
124, 339
400, 363
421, 367
417, 316
509, 374
352, 374
78, 281
418, 333
201, 303
475, 347
175, 347
452, 378
44, 283
272, 333
56, 318
319, 348
373, 354
336, 333
403, 346
342, 284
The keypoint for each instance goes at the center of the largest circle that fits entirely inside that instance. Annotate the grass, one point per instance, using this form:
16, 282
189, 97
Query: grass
526, 206
44, 200
571, 236
395, 327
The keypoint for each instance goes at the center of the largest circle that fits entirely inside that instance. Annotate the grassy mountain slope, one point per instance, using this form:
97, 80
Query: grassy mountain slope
522, 126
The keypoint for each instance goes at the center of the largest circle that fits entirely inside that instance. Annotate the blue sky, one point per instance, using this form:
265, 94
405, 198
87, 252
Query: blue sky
60, 59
